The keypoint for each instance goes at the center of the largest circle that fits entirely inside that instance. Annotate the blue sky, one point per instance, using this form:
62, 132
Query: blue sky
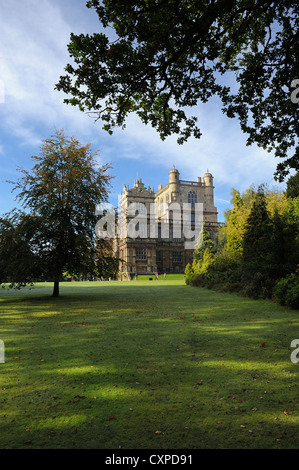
33, 53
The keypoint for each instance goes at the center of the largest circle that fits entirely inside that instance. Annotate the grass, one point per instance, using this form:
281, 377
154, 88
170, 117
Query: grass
146, 365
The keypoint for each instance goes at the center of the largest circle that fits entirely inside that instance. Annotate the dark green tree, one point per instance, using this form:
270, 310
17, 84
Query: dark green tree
60, 194
257, 252
291, 236
107, 264
165, 56
108, 267
293, 186
21, 244
278, 245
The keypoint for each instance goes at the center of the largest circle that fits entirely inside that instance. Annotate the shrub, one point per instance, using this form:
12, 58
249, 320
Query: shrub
280, 290
227, 261
286, 291
198, 281
257, 285
292, 296
189, 274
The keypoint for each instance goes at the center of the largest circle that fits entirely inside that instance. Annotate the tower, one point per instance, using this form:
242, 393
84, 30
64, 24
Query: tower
174, 184
208, 189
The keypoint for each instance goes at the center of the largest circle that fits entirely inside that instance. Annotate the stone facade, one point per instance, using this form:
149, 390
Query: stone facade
154, 242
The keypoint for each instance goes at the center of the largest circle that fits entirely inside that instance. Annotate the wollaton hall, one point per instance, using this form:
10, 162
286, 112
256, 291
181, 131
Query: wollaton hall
168, 250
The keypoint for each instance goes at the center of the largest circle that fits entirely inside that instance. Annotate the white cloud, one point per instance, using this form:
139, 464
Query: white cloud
34, 36
221, 149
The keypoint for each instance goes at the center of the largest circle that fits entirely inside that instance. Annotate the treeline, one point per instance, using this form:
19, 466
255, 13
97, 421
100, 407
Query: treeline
256, 251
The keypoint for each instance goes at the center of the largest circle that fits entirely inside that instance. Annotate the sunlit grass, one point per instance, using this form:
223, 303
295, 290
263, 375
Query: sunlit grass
108, 364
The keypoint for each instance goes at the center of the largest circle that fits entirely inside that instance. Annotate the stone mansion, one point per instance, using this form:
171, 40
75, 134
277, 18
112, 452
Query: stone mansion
150, 244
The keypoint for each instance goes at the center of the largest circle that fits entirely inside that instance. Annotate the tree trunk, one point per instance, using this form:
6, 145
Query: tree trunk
56, 289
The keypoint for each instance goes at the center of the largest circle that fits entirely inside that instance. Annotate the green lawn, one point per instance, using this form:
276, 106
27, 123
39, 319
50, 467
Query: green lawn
146, 365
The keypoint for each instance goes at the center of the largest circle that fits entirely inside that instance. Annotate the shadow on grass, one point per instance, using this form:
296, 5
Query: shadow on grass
112, 370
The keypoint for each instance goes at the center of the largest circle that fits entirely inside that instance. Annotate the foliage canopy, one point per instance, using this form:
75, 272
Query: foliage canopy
167, 55
260, 246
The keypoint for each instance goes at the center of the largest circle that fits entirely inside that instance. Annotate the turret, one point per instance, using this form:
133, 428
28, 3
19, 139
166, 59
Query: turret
209, 188
208, 179
174, 183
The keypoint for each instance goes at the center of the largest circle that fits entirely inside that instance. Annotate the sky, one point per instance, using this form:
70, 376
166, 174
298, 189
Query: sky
34, 35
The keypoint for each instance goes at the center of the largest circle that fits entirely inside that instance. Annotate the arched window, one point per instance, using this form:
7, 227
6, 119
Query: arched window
192, 198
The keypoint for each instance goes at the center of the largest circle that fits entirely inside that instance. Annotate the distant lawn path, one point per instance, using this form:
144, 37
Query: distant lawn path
146, 365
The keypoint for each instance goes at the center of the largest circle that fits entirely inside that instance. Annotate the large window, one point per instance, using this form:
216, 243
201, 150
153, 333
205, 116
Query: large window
176, 257
192, 198
141, 254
